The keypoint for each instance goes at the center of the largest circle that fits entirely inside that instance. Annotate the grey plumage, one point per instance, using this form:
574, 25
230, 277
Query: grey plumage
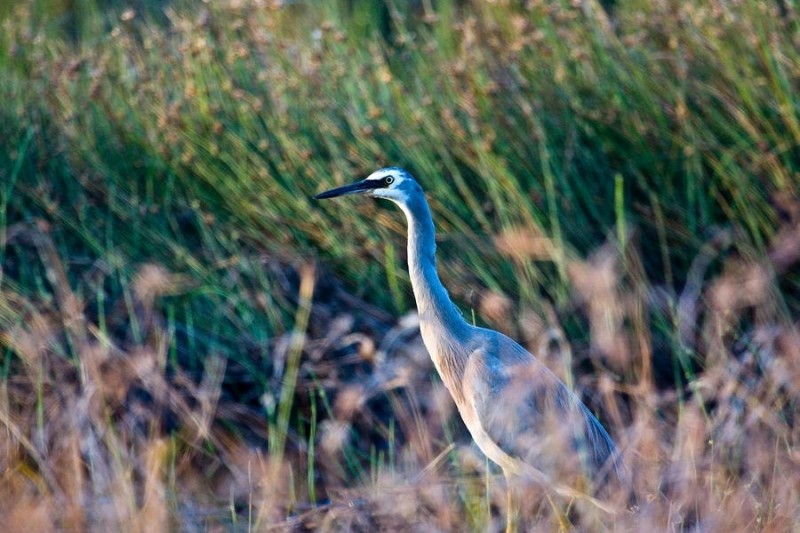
517, 411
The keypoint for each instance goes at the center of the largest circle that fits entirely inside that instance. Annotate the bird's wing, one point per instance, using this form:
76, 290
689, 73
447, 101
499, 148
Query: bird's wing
531, 415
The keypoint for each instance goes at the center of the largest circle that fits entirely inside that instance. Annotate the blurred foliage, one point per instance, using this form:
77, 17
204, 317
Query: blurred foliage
204, 133
191, 136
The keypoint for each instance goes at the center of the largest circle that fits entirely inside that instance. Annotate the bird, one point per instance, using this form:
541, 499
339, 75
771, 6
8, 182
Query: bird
518, 412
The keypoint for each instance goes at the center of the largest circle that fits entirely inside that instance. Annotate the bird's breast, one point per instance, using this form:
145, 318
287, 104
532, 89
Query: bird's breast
449, 357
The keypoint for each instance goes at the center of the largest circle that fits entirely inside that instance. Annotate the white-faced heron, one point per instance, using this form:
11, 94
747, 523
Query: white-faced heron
518, 412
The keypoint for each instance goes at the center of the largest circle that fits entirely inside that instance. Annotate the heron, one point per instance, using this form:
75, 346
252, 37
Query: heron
518, 412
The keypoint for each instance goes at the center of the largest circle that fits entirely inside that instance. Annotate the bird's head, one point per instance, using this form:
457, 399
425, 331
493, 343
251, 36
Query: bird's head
391, 183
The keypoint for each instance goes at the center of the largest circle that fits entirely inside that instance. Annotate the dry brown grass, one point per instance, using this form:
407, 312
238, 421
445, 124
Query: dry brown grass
100, 433
194, 145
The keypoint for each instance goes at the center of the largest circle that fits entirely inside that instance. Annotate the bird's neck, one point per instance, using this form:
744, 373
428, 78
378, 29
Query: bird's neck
433, 303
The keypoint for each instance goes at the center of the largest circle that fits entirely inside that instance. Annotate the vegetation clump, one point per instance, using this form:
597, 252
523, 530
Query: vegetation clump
189, 343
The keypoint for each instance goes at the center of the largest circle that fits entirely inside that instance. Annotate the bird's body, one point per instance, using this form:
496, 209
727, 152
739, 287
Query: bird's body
517, 411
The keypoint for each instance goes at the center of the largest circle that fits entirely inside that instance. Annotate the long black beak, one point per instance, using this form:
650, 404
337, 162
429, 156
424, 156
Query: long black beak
353, 188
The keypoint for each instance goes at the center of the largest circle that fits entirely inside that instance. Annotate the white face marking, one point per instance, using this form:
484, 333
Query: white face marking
382, 173
390, 190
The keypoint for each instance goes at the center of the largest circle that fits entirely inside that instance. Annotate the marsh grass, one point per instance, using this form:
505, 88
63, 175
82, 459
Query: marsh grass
190, 343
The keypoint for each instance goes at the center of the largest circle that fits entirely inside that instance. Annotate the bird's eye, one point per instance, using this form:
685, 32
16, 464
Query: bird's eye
388, 180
